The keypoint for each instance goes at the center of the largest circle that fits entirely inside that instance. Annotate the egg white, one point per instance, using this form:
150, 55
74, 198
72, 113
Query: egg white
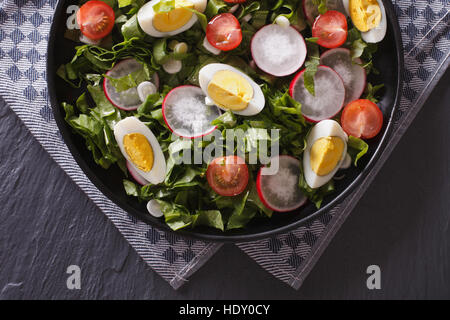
346, 5
255, 105
324, 128
132, 125
379, 32
146, 14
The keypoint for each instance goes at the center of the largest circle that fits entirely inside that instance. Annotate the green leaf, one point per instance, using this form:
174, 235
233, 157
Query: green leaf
214, 7
356, 148
164, 6
201, 18
131, 29
241, 214
103, 107
311, 65
321, 6
247, 9
371, 92
210, 218
124, 3
82, 103
130, 80
130, 188
312, 39
225, 120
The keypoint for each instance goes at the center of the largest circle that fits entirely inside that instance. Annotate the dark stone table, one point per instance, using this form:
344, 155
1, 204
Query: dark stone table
401, 224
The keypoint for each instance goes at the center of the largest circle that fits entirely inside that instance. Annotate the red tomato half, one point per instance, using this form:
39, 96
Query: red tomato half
362, 119
331, 29
234, 1
224, 32
96, 19
227, 176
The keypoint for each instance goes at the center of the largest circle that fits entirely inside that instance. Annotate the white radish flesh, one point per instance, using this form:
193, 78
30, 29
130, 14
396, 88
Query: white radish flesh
280, 191
129, 99
329, 94
186, 114
277, 50
351, 72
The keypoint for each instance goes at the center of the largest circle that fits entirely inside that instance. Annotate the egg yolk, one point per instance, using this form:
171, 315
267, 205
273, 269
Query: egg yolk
230, 90
365, 14
139, 150
175, 18
325, 154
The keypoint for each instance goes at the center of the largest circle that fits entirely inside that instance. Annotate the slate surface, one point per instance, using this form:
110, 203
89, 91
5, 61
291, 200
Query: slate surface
401, 224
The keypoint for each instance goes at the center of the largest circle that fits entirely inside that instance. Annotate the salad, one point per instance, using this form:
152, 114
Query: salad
223, 111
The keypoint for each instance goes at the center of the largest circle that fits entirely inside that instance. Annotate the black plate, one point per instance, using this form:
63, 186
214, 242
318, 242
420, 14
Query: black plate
389, 60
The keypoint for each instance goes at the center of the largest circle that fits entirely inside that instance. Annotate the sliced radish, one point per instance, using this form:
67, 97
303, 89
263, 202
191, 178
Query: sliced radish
311, 11
329, 94
352, 74
186, 114
136, 176
280, 191
129, 99
277, 50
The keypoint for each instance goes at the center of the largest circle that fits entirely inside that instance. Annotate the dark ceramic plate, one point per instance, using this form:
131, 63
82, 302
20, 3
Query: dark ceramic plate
388, 59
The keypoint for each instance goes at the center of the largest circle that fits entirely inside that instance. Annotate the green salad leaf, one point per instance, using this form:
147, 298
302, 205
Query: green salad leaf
311, 64
356, 148
214, 7
321, 5
371, 92
164, 6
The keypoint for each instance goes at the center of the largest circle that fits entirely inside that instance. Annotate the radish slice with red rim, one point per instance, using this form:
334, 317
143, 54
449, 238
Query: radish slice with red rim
277, 50
127, 100
186, 114
352, 74
329, 94
280, 191
136, 176
311, 11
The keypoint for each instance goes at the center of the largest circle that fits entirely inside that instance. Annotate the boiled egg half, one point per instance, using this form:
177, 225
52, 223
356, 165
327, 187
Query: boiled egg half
231, 89
369, 17
325, 152
141, 148
164, 23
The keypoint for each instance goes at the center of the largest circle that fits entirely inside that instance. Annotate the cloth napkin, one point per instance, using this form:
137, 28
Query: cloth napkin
24, 28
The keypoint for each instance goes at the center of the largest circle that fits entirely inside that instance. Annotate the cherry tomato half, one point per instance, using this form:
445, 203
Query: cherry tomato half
331, 29
96, 19
224, 32
362, 119
227, 176
234, 1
